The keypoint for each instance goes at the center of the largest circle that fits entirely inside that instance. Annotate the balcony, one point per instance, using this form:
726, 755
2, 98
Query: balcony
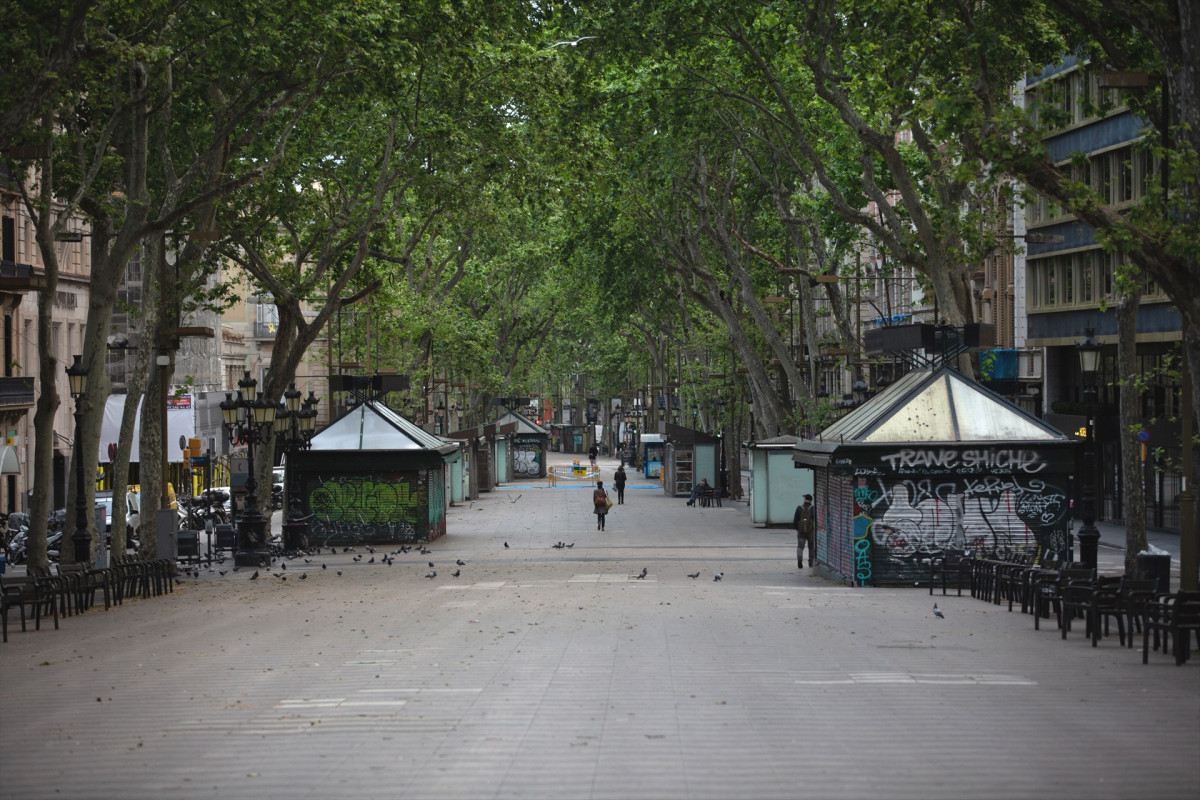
265, 330
19, 278
16, 394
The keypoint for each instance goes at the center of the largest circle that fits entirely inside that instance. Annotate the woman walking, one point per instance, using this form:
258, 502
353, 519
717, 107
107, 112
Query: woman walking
600, 502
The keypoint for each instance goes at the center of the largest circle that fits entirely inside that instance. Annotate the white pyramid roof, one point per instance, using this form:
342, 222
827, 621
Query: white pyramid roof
373, 426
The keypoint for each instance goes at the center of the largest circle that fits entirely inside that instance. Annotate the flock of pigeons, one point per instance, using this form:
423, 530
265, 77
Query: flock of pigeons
389, 559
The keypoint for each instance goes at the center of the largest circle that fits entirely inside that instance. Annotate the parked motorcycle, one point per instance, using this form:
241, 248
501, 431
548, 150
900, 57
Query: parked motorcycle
16, 537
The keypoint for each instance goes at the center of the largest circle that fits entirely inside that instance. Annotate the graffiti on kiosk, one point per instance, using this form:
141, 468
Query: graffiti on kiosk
368, 499
1000, 460
527, 456
323, 532
862, 549
901, 522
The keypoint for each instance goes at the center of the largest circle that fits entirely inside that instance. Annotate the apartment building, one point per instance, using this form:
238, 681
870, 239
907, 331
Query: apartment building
1065, 282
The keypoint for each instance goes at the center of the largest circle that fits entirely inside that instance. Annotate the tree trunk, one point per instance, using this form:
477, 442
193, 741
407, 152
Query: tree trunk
1130, 418
134, 387
43, 424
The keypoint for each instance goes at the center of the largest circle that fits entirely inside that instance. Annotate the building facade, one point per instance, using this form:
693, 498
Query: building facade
1067, 283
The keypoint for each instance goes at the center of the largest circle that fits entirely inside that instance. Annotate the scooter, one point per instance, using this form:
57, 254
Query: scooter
16, 537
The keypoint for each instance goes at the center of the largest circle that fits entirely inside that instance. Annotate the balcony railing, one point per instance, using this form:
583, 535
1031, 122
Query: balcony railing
16, 392
265, 330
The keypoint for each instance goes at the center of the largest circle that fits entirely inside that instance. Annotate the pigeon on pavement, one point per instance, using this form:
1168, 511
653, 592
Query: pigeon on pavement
506, 545
431, 575
937, 612
693, 575
254, 577
461, 563
718, 576
643, 575
456, 573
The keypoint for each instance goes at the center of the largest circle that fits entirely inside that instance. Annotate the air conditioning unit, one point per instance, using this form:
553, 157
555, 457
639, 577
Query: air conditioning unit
1029, 365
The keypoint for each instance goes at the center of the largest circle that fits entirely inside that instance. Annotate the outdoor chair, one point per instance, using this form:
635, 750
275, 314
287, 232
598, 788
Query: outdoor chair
1135, 594
10, 597
1107, 604
1008, 576
1075, 597
28, 592
1031, 575
1048, 591
1177, 618
54, 588
86, 583
952, 562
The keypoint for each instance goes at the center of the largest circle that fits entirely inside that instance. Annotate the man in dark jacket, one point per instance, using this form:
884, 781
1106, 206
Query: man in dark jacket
805, 522
619, 484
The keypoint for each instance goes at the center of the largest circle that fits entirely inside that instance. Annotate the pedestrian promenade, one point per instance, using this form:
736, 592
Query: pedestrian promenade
555, 672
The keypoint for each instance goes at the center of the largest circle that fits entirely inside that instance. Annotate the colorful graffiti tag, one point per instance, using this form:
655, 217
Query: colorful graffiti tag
347, 509
901, 522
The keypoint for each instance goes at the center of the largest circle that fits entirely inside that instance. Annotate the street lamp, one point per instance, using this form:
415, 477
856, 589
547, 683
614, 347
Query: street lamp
750, 407
77, 377
1089, 364
294, 428
249, 421
860, 390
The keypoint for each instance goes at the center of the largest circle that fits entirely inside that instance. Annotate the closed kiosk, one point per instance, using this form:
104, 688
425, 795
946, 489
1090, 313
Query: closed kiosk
653, 451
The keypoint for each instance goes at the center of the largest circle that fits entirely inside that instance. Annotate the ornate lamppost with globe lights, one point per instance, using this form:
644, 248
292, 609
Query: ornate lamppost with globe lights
295, 424
249, 419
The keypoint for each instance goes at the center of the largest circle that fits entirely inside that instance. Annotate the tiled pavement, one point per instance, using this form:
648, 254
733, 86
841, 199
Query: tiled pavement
548, 673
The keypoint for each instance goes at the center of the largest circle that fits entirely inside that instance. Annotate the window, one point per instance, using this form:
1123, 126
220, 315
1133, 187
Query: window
1125, 173
1103, 178
1087, 279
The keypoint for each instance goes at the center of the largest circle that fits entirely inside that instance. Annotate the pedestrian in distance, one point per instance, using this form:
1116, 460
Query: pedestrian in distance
593, 451
805, 522
600, 503
619, 484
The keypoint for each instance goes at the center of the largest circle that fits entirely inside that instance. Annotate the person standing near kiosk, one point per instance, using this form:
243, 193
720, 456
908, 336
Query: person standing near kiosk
805, 522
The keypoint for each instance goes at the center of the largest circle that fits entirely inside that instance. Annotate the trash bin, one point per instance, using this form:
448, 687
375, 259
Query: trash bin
187, 544
226, 537
1158, 567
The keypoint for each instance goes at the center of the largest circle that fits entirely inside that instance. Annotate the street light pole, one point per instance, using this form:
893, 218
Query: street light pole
77, 376
294, 429
249, 420
1089, 363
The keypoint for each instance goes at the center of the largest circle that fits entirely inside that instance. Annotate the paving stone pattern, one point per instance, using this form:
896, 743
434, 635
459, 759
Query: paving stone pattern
556, 673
